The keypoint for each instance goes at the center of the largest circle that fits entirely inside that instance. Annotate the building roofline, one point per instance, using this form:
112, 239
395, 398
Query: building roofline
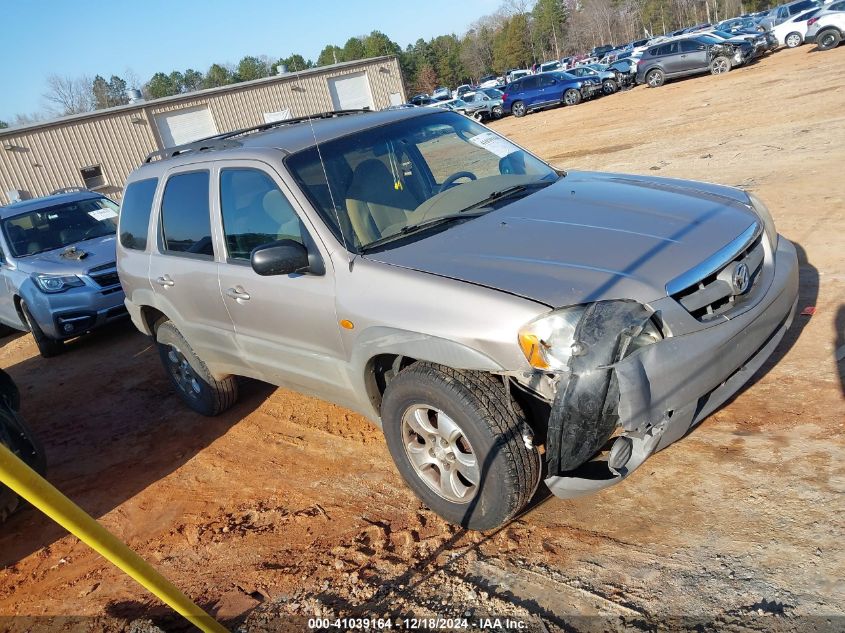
189, 96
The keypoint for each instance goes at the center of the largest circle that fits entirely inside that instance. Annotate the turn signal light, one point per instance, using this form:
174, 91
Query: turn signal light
532, 347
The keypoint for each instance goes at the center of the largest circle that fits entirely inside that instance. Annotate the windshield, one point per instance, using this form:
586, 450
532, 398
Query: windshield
708, 39
385, 180
60, 226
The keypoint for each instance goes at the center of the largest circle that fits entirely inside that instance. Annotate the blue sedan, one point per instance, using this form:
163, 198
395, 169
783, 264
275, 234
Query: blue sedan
536, 92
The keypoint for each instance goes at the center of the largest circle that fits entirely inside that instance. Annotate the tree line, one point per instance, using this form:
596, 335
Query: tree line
519, 34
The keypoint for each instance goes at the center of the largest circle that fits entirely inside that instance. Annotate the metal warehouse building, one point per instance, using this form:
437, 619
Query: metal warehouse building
99, 149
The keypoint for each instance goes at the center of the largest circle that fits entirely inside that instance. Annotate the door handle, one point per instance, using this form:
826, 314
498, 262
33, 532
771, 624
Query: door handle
165, 281
238, 294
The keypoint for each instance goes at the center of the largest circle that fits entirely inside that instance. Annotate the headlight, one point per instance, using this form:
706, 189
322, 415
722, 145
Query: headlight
549, 342
55, 283
762, 212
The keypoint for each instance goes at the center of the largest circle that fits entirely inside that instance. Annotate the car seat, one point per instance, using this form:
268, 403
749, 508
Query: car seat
374, 203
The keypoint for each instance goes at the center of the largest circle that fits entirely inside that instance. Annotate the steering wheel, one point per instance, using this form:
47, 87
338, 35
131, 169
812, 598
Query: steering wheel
450, 180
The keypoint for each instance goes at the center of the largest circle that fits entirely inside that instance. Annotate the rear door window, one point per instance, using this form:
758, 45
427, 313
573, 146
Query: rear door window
135, 210
530, 83
185, 217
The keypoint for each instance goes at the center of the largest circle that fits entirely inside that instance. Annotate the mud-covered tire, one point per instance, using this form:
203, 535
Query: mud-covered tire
189, 375
720, 65
475, 403
827, 39
655, 78
47, 346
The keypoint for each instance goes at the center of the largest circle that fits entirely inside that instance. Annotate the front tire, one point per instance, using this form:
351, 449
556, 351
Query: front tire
793, 40
571, 97
47, 347
720, 65
459, 445
497, 112
828, 39
608, 87
190, 377
518, 109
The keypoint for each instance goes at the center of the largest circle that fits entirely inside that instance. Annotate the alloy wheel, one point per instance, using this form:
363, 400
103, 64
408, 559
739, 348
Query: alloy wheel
182, 372
720, 66
793, 40
440, 453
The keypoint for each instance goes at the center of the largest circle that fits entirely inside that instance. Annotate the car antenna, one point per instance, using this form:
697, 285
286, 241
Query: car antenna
351, 258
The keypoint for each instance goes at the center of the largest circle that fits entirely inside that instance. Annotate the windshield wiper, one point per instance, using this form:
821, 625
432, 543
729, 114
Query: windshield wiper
504, 193
416, 228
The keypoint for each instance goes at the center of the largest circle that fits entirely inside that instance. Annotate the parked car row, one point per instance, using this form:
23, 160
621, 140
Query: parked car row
701, 48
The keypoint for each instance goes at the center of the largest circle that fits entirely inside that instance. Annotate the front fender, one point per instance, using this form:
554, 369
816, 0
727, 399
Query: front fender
380, 340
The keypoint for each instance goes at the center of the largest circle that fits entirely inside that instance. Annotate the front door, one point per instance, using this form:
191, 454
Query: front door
285, 325
693, 56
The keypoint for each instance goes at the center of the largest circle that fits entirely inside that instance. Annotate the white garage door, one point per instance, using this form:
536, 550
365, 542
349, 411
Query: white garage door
186, 125
351, 92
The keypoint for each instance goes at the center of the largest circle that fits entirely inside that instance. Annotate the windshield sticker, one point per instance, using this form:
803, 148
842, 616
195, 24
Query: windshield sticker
494, 144
102, 214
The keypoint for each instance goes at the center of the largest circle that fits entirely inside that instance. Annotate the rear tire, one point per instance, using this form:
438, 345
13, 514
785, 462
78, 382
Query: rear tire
459, 445
190, 377
518, 109
793, 40
655, 78
47, 346
827, 39
720, 65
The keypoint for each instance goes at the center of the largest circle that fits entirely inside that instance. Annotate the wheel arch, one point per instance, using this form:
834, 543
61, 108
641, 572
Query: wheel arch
381, 352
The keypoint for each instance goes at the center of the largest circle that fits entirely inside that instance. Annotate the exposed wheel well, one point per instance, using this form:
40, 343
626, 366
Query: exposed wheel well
381, 370
152, 318
18, 309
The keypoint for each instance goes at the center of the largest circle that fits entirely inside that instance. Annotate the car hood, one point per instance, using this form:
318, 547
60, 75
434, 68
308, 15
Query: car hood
100, 251
585, 238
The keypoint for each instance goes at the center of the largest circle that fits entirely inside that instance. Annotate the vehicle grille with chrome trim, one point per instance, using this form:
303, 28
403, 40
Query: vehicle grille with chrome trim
715, 295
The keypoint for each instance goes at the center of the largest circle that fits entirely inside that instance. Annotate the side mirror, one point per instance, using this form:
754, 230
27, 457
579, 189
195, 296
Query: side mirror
284, 257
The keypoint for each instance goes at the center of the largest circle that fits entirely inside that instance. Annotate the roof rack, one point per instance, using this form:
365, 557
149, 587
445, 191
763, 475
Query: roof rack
227, 140
68, 190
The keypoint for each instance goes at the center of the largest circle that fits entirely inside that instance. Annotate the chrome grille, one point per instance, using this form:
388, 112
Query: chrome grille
720, 291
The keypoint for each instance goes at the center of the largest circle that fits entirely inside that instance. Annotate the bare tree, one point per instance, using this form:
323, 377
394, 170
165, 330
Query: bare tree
67, 95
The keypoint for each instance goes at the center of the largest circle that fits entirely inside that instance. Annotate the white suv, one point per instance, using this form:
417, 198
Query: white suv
827, 29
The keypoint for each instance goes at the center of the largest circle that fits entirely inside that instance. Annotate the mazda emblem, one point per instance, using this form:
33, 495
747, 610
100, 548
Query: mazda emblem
740, 278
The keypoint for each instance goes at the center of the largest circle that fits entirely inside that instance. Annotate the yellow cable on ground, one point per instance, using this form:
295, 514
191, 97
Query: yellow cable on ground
39, 492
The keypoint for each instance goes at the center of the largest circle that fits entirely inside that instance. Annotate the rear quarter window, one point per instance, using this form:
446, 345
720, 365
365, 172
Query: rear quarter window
135, 212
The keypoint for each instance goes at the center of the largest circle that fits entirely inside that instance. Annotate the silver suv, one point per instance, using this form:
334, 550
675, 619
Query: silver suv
58, 269
502, 321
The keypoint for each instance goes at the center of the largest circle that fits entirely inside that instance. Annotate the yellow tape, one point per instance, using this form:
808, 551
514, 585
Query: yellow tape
39, 492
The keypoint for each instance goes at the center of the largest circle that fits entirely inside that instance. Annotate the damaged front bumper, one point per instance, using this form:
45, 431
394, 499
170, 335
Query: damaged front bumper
668, 387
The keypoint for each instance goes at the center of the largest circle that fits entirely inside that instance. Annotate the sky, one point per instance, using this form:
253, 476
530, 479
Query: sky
88, 37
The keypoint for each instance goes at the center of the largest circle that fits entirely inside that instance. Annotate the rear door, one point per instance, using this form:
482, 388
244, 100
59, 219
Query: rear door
671, 60
531, 88
183, 266
286, 325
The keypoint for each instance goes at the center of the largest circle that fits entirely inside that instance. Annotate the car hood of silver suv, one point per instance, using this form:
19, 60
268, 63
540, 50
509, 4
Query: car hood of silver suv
588, 237
99, 251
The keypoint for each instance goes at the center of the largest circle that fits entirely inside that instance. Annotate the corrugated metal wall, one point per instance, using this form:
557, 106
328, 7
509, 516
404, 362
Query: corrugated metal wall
41, 159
